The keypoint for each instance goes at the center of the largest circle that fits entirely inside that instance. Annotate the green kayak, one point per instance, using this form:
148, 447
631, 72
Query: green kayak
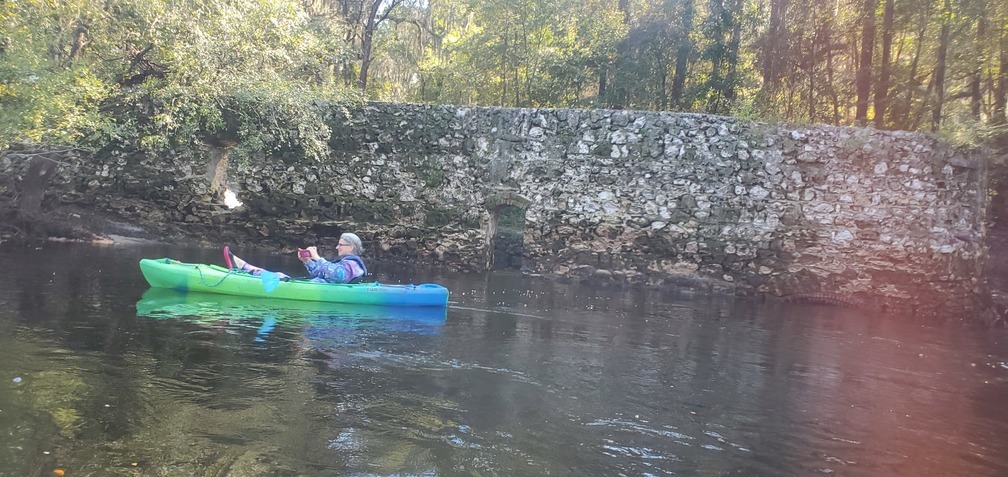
185, 277
211, 308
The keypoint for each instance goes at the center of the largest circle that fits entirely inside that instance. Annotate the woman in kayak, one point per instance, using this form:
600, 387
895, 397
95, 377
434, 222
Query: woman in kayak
348, 268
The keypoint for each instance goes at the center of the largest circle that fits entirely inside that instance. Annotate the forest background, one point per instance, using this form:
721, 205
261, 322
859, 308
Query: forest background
168, 73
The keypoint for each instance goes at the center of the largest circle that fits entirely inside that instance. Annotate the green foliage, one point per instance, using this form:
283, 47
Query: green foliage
260, 74
277, 119
253, 73
529, 53
44, 95
58, 107
250, 118
970, 133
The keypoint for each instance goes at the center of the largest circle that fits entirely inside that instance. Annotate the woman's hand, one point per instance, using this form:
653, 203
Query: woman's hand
309, 253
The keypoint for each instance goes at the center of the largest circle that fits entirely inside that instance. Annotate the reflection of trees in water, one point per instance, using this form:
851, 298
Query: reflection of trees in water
69, 310
194, 394
43, 396
335, 399
521, 374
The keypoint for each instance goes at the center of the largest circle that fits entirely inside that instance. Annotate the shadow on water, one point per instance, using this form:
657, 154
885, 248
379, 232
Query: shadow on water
100, 375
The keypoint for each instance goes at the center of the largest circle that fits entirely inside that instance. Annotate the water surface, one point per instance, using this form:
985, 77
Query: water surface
519, 376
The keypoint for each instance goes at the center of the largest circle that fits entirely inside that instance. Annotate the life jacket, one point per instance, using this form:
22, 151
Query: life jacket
360, 262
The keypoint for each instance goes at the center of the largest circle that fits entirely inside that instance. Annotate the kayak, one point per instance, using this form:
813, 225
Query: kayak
186, 277
213, 308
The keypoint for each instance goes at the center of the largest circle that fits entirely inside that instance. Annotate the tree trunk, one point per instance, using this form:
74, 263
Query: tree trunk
975, 93
902, 120
717, 50
79, 40
33, 186
504, 71
882, 89
773, 44
810, 74
603, 84
939, 71
371, 24
1001, 85
682, 56
864, 67
834, 97
616, 90
367, 39
734, 43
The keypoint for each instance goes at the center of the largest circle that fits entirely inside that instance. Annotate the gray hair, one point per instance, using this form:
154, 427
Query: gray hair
354, 241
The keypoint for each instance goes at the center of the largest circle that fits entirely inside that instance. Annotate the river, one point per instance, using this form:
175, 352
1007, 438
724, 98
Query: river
519, 376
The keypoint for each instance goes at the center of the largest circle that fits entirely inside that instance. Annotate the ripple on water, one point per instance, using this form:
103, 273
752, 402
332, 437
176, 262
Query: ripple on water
612, 449
423, 362
638, 428
622, 441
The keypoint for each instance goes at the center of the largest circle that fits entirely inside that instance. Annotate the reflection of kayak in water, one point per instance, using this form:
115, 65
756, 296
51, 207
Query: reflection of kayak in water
207, 307
185, 277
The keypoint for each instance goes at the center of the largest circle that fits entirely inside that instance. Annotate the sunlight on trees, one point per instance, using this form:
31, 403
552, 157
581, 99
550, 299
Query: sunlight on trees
163, 73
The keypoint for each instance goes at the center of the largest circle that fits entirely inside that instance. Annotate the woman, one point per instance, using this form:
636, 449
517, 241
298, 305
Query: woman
348, 268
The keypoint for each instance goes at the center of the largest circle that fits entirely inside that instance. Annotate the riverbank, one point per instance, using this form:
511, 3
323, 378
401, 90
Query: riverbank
68, 223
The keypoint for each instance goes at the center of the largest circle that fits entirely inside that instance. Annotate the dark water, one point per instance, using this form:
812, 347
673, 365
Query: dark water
99, 376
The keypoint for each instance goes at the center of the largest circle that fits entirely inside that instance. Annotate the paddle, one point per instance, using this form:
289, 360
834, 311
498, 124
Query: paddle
270, 280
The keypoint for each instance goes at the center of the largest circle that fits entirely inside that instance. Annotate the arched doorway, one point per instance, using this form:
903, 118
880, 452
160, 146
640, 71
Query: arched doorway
506, 231
509, 239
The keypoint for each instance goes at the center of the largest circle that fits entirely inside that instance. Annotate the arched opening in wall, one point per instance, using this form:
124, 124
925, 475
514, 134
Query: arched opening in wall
217, 170
508, 238
505, 230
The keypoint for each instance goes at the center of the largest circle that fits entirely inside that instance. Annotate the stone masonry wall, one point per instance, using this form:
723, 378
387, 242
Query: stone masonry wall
889, 219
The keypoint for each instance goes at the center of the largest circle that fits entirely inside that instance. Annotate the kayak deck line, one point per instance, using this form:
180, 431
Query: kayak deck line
210, 278
292, 279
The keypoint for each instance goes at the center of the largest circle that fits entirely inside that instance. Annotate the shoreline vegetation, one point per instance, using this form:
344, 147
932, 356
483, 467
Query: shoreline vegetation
81, 74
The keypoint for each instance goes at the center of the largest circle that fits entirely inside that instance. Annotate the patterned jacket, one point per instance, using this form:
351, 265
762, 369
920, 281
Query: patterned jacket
344, 270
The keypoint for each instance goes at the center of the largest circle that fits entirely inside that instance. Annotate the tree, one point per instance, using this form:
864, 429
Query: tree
997, 38
529, 53
683, 53
1001, 81
75, 67
774, 51
938, 77
377, 12
882, 89
242, 65
864, 65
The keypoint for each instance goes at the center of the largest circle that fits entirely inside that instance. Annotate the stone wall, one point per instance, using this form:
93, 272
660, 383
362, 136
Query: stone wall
890, 219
